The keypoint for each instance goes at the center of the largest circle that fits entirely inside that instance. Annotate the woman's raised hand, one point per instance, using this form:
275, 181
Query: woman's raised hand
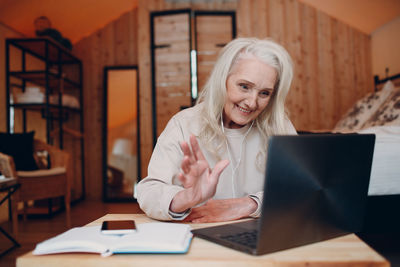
200, 182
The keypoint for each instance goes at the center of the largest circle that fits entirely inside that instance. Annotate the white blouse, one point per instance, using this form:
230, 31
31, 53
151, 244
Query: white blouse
240, 178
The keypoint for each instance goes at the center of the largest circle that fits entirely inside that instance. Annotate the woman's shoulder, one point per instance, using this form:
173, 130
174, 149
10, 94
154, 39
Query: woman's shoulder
186, 121
289, 127
189, 114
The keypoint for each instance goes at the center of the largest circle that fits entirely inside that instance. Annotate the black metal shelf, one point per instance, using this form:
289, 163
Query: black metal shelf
39, 47
40, 106
58, 72
39, 77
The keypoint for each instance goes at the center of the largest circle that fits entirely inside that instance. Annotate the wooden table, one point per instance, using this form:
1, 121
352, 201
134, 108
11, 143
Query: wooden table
348, 250
10, 186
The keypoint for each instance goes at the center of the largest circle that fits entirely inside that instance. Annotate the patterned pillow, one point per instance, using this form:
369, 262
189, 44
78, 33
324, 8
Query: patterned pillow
388, 113
361, 112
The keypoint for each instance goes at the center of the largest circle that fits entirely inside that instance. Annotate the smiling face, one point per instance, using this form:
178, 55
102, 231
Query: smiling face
249, 88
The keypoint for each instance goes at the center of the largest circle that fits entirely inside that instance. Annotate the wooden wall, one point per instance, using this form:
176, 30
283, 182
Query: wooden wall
332, 60
332, 65
115, 44
5, 32
144, 9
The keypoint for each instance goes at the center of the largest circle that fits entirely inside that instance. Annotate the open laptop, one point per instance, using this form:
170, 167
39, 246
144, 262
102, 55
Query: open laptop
316, 188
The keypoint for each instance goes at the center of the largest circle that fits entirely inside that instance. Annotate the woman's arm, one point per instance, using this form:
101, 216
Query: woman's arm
199, 181
218, 210
155, 192
178, 179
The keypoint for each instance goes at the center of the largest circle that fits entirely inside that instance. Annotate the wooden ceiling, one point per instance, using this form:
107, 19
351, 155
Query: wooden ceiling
76, 19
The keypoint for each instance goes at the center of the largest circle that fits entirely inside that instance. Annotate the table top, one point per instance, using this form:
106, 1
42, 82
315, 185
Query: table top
342, 251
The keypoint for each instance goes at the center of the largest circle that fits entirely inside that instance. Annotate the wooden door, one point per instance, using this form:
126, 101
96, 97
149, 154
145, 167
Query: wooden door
183, 55
171, 63
213, 30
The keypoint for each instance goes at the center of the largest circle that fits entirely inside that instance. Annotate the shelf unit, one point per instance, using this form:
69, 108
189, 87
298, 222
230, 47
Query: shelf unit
42, 63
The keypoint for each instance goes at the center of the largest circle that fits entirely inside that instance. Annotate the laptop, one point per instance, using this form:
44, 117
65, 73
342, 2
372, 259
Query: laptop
316, 188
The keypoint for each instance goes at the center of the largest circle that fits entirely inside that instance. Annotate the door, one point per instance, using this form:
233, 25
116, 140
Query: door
213, 30
183, 55
171, 66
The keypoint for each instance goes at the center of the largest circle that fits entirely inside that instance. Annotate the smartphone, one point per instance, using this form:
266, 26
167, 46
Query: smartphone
118, 227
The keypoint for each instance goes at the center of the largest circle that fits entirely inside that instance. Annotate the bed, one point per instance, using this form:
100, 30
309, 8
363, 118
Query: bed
379, 113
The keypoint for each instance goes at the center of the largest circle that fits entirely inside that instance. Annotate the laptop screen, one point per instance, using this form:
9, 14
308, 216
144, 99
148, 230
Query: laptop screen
316, 188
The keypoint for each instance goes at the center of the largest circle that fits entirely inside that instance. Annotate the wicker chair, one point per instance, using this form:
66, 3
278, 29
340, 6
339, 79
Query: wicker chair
42, 183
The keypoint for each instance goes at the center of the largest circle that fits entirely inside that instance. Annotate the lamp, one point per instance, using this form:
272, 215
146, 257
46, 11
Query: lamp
122, 146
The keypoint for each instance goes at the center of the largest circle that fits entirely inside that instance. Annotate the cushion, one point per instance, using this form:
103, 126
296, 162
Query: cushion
42, 173
363, 110
20, 147
388, 113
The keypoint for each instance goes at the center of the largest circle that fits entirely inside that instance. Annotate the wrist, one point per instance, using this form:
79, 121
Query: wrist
250, 206
182, 201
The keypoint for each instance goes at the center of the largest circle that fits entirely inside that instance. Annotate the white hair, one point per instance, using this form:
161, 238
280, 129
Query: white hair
271, 120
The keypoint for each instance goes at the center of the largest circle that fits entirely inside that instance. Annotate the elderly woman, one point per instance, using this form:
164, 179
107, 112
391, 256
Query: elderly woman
208, 164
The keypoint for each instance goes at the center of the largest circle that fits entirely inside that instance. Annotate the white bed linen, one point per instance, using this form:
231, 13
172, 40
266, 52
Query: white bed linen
385, 173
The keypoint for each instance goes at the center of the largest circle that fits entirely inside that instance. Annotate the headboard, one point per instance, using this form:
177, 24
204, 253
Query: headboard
379, 83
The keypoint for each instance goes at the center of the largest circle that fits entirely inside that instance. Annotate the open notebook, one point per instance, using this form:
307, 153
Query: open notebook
157, 237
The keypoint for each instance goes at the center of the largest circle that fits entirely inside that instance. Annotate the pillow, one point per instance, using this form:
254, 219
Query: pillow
20, 147
388, 113
361, 112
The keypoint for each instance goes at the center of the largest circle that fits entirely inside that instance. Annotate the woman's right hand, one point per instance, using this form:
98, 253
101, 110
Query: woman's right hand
199, 181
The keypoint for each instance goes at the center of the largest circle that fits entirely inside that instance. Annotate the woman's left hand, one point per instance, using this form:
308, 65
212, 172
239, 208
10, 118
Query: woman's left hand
218, 210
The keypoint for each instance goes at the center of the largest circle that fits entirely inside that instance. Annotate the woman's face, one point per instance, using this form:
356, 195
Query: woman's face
249, 89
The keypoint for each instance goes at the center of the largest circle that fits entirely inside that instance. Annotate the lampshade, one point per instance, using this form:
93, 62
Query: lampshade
122, 146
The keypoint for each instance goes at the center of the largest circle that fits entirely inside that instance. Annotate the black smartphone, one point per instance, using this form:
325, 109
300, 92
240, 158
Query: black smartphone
120, 227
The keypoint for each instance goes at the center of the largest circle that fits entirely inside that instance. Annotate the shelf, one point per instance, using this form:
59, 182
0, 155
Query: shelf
40, 106
44, 63
37, 47
39, 78
53, 111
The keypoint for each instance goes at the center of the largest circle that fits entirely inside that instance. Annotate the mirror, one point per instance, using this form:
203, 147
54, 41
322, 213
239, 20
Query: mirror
121, 155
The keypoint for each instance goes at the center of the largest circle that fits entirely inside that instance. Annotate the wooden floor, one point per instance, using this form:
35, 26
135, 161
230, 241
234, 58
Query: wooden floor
39, 228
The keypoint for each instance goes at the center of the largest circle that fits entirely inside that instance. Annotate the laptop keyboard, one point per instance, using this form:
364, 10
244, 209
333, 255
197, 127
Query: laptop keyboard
248, 238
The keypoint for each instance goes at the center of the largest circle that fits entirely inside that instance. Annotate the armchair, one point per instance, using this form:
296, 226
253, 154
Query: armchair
42, 183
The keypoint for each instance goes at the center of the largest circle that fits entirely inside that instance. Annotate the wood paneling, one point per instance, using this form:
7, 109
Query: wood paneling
332, 60
115, 44
212, 33
309, 72
332, 65
326, 68
293, 39
5, 33
144, 59
171, 65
